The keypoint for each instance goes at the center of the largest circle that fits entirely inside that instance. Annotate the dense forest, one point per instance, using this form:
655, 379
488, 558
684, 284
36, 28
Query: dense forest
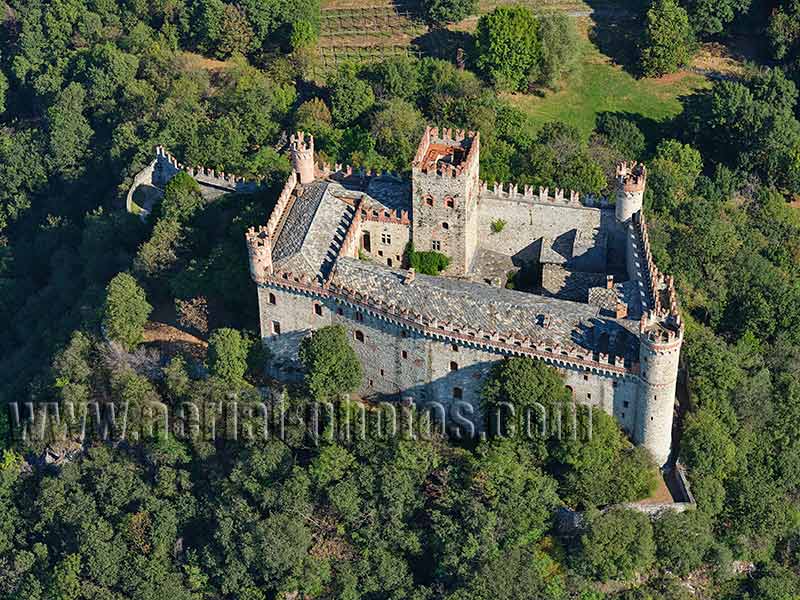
89, 87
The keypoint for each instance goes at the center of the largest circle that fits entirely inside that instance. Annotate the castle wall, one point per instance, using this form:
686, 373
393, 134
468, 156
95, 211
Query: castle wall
527, 221
399, 363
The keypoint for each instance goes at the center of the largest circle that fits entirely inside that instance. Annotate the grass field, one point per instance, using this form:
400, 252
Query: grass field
599, 86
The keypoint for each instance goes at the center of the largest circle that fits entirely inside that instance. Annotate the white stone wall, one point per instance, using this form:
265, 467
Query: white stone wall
399, 236
659, 376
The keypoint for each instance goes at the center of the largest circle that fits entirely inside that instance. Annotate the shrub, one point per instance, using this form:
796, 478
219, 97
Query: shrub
332, 366
428, 263
498, 225
227, 354
441, 12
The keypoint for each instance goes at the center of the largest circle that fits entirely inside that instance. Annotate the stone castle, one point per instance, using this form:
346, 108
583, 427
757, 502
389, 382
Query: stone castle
588, 298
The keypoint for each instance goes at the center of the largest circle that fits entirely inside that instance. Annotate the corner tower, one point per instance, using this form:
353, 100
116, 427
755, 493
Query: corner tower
630, 185
445, 179
659, 353
302, 151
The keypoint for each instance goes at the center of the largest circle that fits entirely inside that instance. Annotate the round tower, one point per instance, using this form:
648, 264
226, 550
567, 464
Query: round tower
302, 150
659, 352
259, 249
631, 181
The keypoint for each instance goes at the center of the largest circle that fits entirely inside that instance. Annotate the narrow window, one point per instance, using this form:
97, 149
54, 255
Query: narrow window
389, 262
318, 309
276, 328
436, 245
453, 366
449, 202
381, 372
588, 396
586, 378
359, 336
272, 298
626, 404
359, 316
455, 347
445, 225
339, 312
458, 393
404, 354
429, 200
623, 415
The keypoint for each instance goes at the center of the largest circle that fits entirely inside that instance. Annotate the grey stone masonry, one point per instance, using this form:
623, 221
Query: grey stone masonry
607, 319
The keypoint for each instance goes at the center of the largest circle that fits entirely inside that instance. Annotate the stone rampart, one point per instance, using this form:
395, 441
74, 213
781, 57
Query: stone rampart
281, 205
212, 183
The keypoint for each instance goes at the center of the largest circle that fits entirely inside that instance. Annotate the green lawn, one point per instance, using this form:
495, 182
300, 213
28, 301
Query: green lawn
598, 86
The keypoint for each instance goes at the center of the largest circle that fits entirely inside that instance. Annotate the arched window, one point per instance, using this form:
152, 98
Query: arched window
571, 391
453, 366
272, 298
449, 202
458, 393
429, 200
359, 336
445, 226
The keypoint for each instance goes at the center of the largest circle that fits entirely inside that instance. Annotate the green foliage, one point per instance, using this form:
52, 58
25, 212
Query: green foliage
332, 366
682, 541
69, 132
397, 127
227, 354
351, 97
669, 42
711, 17
181, 200
3, 91
126, 311
442, 12
560, 48
672, 174
498, 225
508, 48
618, 545
428, 263
622, 135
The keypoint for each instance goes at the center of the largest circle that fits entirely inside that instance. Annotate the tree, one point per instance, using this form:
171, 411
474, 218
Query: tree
3, 91
668, 43
126, 311
441, 12
710, 17
682, 540
560, 47
508, 48
235, 34
181, 200
69, 132
159, 254
618, 544
332, 366
351, 97
397, 127
227, 354
622, 135
706, 446
672, 174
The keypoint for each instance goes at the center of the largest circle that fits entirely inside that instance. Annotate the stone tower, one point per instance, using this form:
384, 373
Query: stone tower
445, 180
631, 181
302, 150
259, 248
659, 353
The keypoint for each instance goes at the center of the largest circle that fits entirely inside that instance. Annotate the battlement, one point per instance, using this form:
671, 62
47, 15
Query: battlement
259, 249
398, 217
511, 191
350, 243
281, 205
447, 153
632, 177
341, 172
169, 166
301, 143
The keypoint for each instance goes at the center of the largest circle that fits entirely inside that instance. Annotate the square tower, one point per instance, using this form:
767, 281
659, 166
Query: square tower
446, 186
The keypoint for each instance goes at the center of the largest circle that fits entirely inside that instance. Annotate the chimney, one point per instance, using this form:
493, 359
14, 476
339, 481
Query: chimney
609, 282
621, 311
410, 276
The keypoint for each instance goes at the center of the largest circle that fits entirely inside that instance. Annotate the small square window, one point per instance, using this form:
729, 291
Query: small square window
429, 201
339, 311
380, 252
449, 202
623, 415
386, 238
453, 366
458, 393
586, 378
436, 245
318, 309
626, 404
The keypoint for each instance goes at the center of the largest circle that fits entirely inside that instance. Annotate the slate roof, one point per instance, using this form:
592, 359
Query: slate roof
312, 234
473, 306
